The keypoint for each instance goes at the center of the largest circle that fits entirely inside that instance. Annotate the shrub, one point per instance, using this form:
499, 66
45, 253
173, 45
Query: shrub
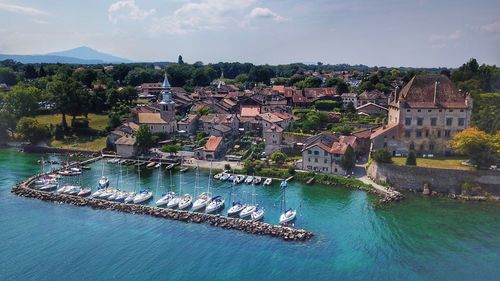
291, 171
227, 167
382, 156
411, 160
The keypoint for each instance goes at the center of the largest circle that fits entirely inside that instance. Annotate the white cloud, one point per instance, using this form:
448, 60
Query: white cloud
24, 10
259, 12
446, 37
127, 10
211, 15
491, 27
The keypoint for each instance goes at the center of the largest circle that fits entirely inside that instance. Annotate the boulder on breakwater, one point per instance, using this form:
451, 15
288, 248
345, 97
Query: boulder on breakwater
259, 228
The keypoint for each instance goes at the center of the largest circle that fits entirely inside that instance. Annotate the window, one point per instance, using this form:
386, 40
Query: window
461, 110
420, 121
419, 110
431, 146
439, 133
309, 152
326, 161
426, 133
430, 110
447, 133
433, 121
449, 121
308, 159
451, 110
408, 121
419, 133
326, 153
407, 133
408, 110
316, 152
461, 121
440, 110
316, 160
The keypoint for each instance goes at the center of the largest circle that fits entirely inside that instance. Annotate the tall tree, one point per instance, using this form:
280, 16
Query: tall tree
477, 145
29, 129
144, 138
22, 100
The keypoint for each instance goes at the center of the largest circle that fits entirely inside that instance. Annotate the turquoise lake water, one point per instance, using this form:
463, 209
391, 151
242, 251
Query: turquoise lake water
416, 239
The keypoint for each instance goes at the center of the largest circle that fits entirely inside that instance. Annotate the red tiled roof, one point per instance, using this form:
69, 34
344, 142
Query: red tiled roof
250, 111
212, 143
419, 92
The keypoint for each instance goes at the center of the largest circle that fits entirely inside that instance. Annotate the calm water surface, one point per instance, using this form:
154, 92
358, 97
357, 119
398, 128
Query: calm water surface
417, 239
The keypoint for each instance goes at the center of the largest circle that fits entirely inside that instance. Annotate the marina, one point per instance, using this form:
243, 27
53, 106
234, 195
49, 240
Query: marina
101, 194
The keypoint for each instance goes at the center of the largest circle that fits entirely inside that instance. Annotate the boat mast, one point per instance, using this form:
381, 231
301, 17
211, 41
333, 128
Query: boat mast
171, 182
209, 179
180, 180
158, 181
139, 172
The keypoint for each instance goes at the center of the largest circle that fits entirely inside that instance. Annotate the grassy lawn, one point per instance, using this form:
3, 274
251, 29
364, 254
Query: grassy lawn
96, 121
437, 162
81, 143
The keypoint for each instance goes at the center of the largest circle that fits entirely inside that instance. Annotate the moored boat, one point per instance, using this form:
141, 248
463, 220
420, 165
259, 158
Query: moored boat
257, 180
215, 204
247, 211
165, 199
258, 214
202, 201
235, 209
185, 201
249, 180
84, 192
143, 196
268, 181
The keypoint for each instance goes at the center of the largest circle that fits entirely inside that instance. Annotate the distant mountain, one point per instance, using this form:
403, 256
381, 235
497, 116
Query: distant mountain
80, 55
86, 53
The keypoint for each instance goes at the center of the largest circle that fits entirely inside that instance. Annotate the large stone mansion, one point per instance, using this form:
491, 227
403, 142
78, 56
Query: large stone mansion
423, 116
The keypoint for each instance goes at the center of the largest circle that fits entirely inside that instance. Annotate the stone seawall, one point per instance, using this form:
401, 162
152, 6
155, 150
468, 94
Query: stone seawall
439, 180
258, 228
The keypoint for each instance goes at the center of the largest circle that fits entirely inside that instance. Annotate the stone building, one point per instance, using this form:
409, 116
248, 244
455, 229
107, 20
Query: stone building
349, 98
273, 138
424, 116
323, 153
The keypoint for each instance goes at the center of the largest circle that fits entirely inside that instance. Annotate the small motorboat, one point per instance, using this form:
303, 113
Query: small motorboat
169, 167
268, 181
75, 169
48, 186
54, 176
130, 197
84, 192
113, 196
257, 180
202, 201
158, 165
225, 177
288, 215
114, 161
231, 178
217, 176
249, 180
184, 169
247, 211
185, 201
143, 196
215, 204
45, 180
122, 162
235, 209
165, 199
258, 214
151, 165
107, 192
103, 181
85, 167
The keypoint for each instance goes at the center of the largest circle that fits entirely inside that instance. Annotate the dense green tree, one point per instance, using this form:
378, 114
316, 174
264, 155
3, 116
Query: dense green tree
179, 74
179, 60
382, 156
170, 149
343, 130
8, 76
114, 120
120, 71
348, 160
261, 74
85, 76
411, 159
22, 100
68, 97
144, 138
28, 129
278, 157
30, 72
480, 147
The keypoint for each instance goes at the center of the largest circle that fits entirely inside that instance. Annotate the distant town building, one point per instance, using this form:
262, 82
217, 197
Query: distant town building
212, 150
349, 98
372, 109
374, 96
424, 116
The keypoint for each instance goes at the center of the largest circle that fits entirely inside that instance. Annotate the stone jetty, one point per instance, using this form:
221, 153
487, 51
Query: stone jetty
258, 228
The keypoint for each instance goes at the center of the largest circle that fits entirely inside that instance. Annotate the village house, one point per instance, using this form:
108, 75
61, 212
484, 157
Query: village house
323, 153
349, 98
271, 119
273, 138
374, 96
372, 109
424, 116
127, 128
188, 124
219, 124
126, 146
212, 150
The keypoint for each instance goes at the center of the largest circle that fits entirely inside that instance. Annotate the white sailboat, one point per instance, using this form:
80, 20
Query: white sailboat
204, 198
215, 204
143, 195
165, 199
250, 208
237, 206
103, 181
289, 214
187, 199
268, 181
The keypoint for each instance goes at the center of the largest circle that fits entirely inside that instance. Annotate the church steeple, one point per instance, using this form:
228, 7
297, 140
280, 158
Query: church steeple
166, 92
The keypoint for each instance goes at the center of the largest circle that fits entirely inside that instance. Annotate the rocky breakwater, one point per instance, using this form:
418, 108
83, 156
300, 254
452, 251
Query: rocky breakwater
258, 228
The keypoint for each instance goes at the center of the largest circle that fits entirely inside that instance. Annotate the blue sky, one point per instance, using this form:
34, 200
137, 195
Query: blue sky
383, 32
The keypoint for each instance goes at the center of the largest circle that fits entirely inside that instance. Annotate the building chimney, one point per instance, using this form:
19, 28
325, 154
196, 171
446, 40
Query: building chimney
435, 92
